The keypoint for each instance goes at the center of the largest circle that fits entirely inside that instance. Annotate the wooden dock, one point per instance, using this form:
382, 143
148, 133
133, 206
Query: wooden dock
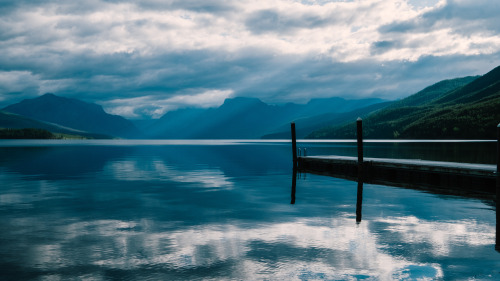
457, 178
472, 180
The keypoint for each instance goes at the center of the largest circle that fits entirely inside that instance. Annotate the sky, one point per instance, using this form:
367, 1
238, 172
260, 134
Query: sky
141, 59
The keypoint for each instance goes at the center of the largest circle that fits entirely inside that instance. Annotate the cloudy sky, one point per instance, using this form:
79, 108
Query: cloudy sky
140, 59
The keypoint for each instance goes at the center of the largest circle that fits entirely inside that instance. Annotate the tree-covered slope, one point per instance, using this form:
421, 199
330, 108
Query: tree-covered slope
26, 133
462, 108
487, 86
464, 121
15, 121
305, 126
434, 92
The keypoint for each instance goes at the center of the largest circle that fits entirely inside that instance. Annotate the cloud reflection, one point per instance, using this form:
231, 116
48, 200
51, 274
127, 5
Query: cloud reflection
303, 249
442, 236
117, 224
157, 170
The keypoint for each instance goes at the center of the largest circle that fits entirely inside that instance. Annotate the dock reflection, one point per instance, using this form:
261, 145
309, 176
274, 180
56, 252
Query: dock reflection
359, 195
359, 201
294, 184
359, 198
497, 240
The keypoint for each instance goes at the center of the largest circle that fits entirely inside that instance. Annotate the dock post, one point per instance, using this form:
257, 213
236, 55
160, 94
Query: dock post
359, 125
359, 197
498, 165
294, 145
497, 239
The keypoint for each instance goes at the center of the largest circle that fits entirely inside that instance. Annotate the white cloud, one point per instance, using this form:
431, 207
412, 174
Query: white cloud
342, 30
155, 106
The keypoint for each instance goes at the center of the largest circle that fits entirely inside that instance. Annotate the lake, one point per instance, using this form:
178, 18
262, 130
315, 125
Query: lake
221, 210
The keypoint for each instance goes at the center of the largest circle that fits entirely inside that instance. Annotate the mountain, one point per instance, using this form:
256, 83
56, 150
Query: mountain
15, 121
249, 118
305, 126
75, 114
434, 92
462, 108
236, 118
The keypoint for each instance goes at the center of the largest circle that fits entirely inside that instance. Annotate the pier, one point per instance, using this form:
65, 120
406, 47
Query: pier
475, 180
480, 181
472, 180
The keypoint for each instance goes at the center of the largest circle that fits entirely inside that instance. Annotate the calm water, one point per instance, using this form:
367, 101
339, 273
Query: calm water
220, 210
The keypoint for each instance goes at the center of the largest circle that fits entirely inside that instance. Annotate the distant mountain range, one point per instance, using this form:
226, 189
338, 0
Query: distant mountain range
461, 108
237, 118
250, 118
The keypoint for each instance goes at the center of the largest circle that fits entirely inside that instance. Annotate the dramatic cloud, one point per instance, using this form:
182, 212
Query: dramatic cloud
142, 58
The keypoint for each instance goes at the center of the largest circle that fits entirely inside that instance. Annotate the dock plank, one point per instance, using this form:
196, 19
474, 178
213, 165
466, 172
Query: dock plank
413, 164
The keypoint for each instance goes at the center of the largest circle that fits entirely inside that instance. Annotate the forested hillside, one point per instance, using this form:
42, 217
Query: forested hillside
462, 108
27, 133
19, 122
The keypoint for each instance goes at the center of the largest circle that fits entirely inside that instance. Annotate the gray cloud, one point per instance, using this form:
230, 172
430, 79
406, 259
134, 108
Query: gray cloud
206, 6
380, 47
273, 79
264, 21
464, 17
105, 51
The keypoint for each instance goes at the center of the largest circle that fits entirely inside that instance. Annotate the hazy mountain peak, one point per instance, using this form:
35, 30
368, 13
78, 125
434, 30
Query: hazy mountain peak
239, 101
247, 117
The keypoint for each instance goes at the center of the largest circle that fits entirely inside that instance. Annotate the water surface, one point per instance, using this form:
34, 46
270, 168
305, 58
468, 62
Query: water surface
220, 210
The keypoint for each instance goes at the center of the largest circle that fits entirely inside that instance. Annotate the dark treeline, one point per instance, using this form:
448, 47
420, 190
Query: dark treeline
27, 133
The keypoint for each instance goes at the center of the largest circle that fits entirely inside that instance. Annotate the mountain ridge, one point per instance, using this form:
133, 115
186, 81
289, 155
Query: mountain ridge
75, 114
244, 117
15, 121
468, 111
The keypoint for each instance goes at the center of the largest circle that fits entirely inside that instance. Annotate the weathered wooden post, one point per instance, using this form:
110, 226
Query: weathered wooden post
498, 165
497, 242
359, 197
359, 125
294, 145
